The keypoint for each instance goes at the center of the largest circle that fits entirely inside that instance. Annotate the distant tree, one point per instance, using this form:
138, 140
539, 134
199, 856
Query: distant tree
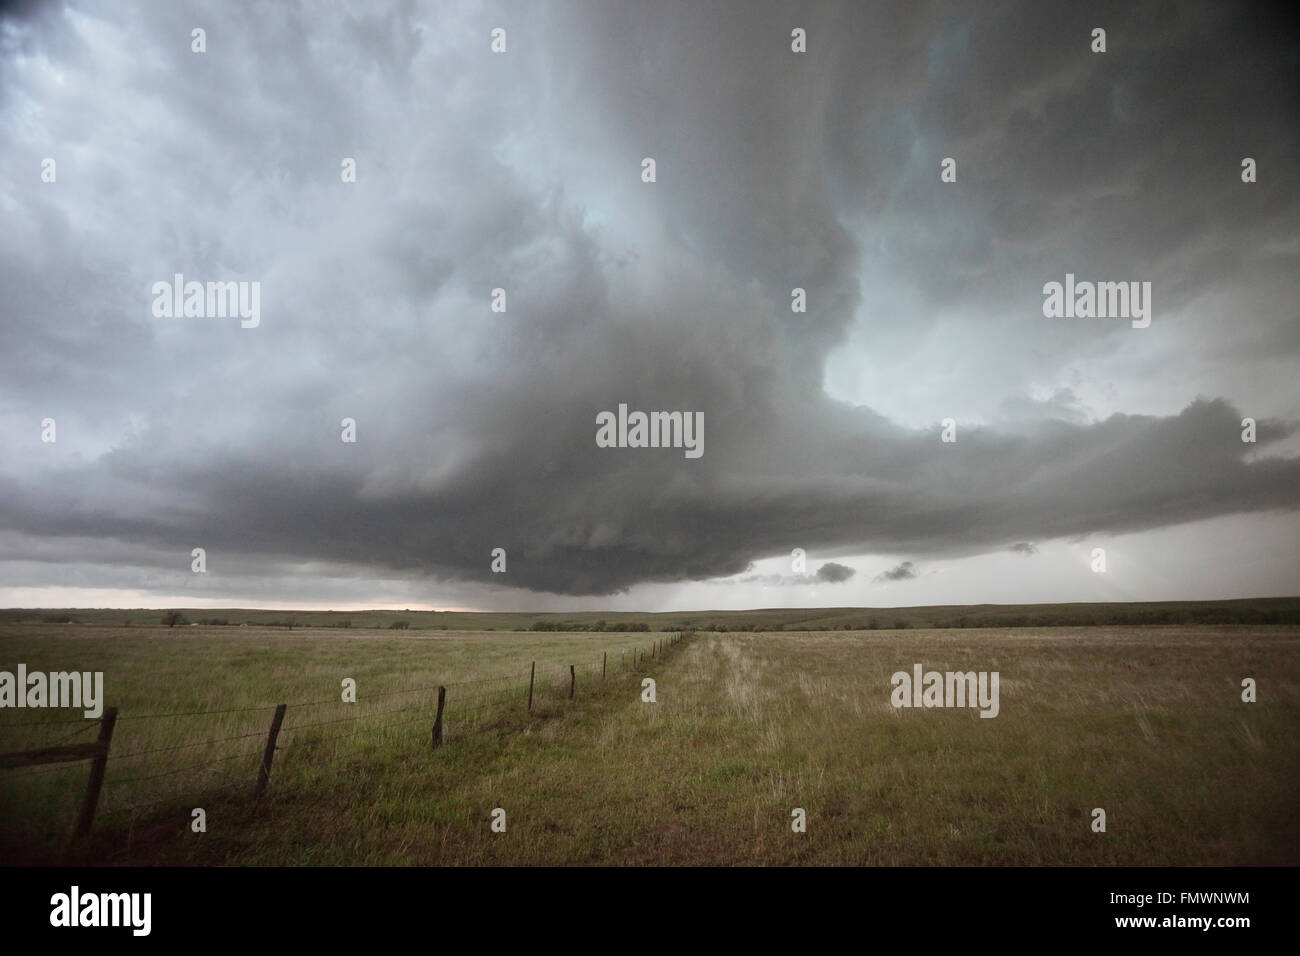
172, 618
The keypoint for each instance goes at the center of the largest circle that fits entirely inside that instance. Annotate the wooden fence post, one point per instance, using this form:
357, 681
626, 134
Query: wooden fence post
532, 672
264, 773
437, 721
96, 782
604, 660
573, 681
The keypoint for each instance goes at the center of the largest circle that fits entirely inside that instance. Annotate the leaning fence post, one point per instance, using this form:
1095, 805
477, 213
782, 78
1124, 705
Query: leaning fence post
532, 672
264, 773
604, 660
437, 721
573, 681
96, 782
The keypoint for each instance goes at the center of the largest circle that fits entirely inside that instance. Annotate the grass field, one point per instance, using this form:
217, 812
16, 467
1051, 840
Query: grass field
1145, 722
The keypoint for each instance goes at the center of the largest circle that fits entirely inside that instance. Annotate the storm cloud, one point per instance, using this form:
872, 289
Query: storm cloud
835, 573
903, 572
522, 171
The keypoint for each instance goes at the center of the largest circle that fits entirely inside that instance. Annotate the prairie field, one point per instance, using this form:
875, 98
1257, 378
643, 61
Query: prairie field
1145, 722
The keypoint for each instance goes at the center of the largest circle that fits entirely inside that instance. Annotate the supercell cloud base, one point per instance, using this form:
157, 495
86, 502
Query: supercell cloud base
458, 259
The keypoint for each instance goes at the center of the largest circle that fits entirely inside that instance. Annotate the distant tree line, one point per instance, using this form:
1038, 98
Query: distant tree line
636, 627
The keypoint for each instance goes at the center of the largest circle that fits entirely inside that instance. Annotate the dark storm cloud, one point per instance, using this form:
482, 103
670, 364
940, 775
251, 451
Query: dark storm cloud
903, 572
829, 573
835, 573
1023, 547
24, 9
476, 429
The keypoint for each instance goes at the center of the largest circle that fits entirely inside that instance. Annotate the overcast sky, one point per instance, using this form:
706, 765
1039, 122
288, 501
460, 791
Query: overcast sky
522, 170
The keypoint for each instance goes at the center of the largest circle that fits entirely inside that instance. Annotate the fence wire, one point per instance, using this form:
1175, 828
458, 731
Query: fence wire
542, 680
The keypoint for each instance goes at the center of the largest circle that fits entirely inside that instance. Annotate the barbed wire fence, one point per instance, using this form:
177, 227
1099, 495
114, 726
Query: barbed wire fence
452, 709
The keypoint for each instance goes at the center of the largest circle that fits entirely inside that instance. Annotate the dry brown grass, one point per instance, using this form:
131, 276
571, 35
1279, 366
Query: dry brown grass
1145, 722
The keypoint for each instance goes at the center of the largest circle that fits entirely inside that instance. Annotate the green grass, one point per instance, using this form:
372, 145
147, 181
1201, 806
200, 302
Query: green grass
1145, 722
